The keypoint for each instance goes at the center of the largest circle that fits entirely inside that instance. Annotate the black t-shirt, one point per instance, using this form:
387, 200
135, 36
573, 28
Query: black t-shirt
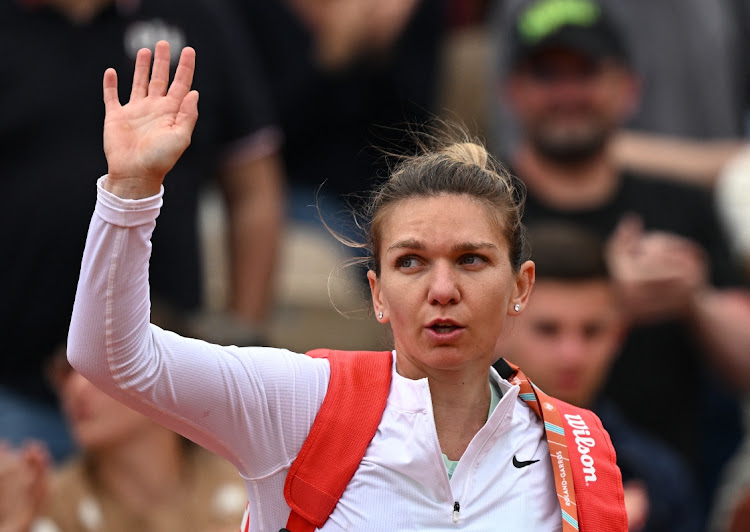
51, 118
673, 497
659, 361
335, 123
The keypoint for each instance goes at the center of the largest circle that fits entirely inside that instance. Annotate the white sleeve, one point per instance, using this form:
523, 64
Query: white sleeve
253, 406
733, 200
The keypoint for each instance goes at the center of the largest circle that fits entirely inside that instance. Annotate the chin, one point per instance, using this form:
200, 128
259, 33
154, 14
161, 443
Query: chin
90, 439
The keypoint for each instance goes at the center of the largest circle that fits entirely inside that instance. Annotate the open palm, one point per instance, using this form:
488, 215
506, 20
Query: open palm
144, 138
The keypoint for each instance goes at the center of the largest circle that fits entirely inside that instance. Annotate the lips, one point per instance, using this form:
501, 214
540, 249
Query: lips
444, 329
444, 323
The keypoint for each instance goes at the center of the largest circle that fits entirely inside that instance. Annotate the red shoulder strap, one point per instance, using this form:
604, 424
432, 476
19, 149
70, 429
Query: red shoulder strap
580, 449
358, 389
601, 503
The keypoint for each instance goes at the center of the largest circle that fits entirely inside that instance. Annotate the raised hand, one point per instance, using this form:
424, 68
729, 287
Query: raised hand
144, 138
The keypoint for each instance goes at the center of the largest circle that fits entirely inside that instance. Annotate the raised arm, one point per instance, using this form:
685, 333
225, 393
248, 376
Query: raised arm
251, 405
144, 138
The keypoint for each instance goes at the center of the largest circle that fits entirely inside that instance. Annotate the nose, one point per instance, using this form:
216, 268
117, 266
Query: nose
444, 286
571, 347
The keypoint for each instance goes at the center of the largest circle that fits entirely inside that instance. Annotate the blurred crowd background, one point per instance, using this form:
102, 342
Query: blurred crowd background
631, 127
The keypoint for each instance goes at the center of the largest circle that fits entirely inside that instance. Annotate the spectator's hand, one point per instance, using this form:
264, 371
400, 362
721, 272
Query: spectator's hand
144, 138
636, 504
658, 274
23, 485
344, 29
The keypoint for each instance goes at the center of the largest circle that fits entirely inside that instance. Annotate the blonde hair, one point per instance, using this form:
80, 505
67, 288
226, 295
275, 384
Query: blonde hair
449, 161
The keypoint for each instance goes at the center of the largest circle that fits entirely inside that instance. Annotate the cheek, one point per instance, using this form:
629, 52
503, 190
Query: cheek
399, 303
538, 105
600, 354
611, 101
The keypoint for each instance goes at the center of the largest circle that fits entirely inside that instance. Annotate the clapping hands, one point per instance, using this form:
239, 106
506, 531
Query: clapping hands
23, 485
659, 274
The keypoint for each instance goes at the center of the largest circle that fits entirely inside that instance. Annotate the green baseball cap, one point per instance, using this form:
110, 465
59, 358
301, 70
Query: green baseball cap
579, 25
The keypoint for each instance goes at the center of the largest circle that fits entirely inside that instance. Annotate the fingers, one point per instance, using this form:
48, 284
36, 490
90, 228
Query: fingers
188, 114
183, 77
109, 86
35, 453
628, 233
160, 72
141, 74
158, 83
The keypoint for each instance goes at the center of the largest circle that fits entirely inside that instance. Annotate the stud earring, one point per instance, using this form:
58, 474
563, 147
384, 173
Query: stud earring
517, 307
380, 315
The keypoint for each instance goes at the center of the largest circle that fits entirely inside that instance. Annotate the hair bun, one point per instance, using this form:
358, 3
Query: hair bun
468, 153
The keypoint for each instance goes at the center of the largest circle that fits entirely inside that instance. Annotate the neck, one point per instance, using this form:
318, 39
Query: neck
143, 471
567, 186
460, 407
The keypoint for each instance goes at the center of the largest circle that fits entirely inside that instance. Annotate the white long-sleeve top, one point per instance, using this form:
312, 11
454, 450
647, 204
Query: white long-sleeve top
255, 406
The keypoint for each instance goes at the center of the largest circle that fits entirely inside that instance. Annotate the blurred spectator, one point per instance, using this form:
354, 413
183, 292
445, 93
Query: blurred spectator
23, 484
571, 86
566, 340
131, 474
731, 511
733, 200
463, 69
51, 130
346, 77
693, 65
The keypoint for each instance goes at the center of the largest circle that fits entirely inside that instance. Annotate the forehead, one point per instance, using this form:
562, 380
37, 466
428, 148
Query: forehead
443, 219
568, 300
564, 55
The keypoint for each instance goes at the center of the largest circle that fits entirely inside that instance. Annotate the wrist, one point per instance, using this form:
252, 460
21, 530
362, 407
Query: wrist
131, 187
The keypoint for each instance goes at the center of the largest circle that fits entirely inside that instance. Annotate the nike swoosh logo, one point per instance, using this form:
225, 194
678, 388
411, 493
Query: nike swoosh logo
525, 463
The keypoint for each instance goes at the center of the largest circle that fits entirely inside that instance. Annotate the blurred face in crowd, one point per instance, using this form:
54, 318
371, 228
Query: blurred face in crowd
97, 421
568, 103
446, 283
567, 338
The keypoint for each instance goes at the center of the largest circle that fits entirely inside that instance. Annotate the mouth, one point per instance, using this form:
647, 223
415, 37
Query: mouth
569, 380
443, 328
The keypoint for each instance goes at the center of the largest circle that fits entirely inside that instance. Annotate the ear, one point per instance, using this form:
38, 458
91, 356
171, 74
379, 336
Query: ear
524, 283
378, 302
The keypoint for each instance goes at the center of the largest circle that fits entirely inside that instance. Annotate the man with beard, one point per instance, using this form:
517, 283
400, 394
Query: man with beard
571, 86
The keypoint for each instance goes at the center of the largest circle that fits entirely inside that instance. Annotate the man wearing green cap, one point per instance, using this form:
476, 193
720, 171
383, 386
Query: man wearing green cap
571, 86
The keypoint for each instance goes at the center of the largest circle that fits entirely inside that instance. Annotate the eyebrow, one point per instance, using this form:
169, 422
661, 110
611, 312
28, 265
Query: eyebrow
458, 248
410, 243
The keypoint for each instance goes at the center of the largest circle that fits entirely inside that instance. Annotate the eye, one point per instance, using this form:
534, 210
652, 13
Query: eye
593, 331
407, 262
472, 259
546, 329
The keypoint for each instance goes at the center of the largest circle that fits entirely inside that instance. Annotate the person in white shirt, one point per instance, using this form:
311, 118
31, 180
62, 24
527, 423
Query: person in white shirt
448, 267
